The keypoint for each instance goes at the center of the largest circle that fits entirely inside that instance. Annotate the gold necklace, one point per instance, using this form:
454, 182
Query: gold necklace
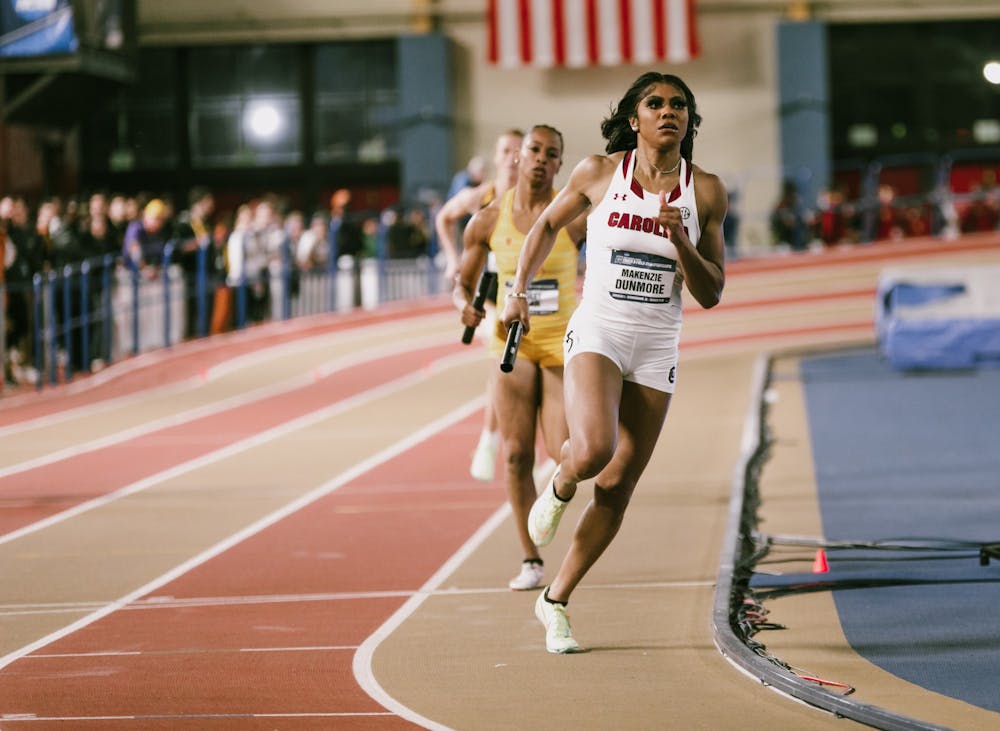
664, 172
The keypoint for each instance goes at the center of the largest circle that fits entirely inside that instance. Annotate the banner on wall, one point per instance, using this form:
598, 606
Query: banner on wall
36, 28
580, 33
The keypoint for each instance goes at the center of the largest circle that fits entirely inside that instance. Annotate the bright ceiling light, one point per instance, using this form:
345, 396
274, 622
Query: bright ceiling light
263, 120
992, 72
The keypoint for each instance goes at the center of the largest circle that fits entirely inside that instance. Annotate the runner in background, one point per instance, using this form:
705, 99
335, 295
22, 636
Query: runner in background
450, 218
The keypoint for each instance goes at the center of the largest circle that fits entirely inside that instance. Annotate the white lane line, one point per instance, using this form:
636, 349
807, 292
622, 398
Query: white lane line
245, 360
163, 602
259, 394
231, 601
190, 651
29, 718
244, 444
362, 664
316, 648
253, 529
51, 610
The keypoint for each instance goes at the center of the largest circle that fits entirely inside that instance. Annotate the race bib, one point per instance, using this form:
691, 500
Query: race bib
641, 277
543, 296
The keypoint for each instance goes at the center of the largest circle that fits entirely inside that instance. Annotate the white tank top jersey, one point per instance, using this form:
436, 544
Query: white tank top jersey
632, 277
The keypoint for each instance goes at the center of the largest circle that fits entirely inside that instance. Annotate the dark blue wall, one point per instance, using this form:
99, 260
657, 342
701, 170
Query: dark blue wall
426, 114
804, 106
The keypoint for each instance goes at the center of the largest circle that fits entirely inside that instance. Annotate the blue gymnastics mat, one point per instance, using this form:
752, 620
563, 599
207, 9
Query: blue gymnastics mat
939, 317
912, 457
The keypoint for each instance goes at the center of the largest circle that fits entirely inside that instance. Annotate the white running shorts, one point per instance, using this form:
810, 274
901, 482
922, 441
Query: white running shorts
645, 358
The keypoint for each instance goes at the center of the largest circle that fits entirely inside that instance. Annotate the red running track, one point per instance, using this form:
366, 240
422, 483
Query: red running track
264, 634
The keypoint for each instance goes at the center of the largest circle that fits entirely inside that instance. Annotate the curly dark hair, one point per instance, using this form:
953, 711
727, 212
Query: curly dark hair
619, 133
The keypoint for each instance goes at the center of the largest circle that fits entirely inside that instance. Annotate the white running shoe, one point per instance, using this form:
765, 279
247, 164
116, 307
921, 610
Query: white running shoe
529, 578
484, 460
545, 514
558, 636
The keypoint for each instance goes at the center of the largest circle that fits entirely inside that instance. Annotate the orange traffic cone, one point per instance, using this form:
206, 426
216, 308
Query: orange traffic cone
820, 566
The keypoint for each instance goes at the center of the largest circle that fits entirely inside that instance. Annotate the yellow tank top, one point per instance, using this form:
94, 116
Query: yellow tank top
552, 295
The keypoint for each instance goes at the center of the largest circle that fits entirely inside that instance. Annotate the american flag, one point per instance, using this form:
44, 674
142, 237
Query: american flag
577, 33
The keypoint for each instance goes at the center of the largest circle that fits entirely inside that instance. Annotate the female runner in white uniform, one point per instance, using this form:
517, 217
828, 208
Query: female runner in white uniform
654, 221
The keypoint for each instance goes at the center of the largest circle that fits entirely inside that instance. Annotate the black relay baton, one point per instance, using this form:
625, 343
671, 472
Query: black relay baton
510, 349
485, 284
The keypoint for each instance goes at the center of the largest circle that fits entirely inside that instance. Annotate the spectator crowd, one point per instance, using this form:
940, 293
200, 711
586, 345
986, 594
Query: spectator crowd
131, 233
837, 219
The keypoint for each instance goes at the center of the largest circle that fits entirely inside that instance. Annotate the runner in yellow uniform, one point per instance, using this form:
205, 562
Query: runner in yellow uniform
532, 392
551, 296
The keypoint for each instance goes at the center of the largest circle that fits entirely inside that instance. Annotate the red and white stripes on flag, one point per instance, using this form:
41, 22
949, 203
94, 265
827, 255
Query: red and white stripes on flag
576, 33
